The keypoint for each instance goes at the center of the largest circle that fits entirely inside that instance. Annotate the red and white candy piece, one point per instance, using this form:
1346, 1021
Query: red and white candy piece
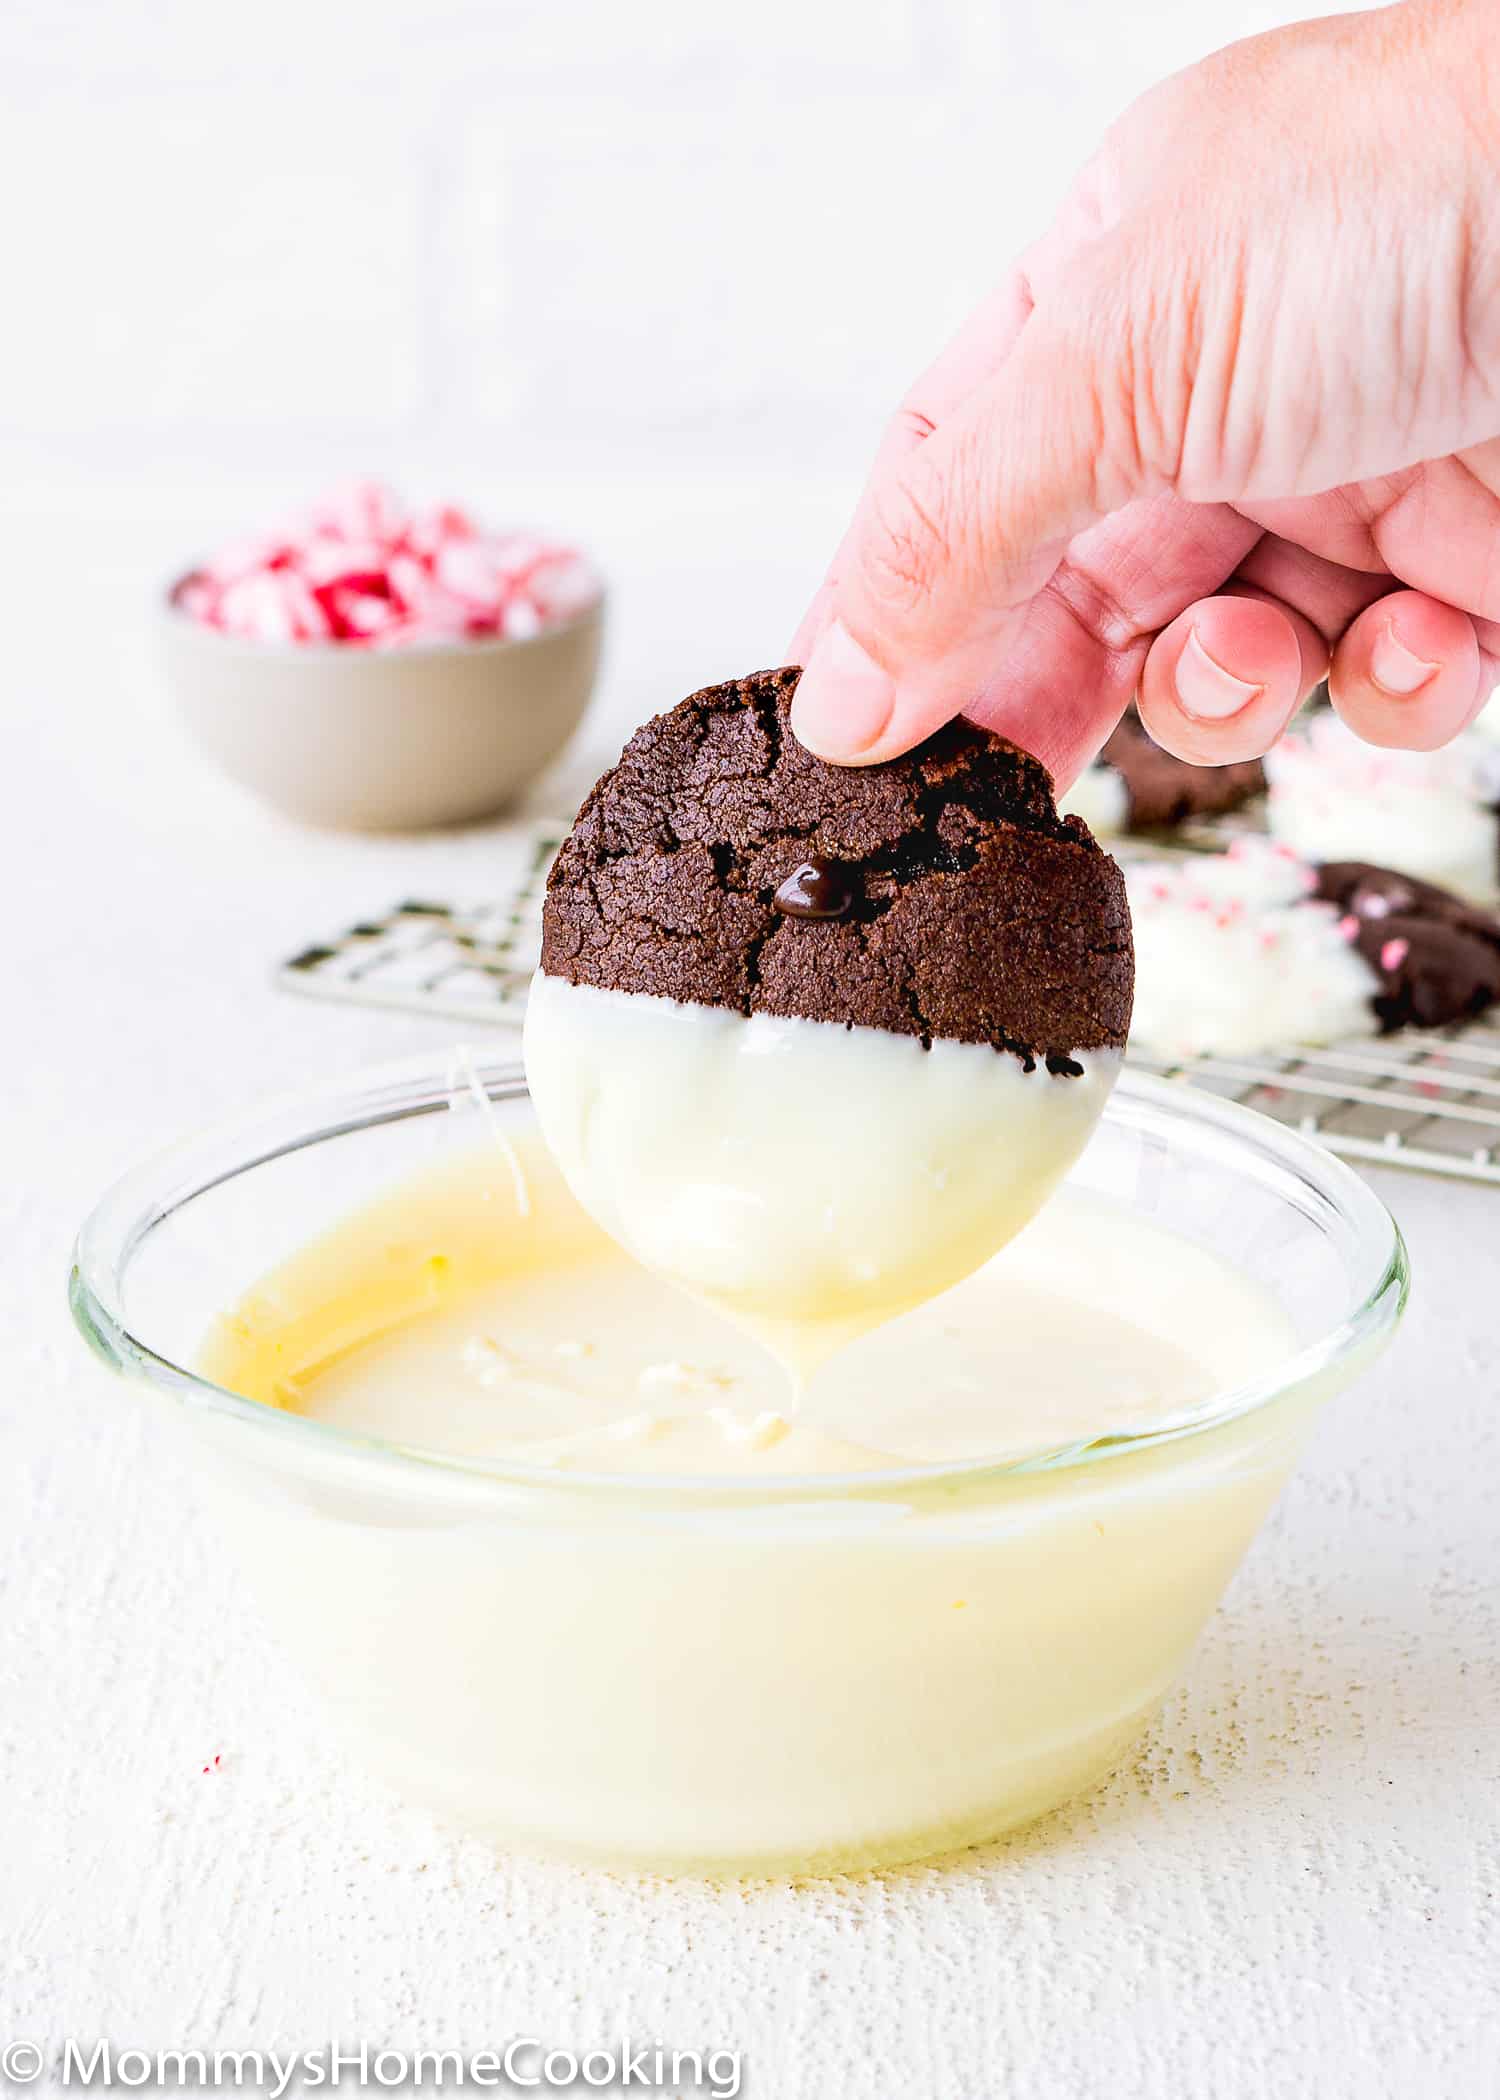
361, 570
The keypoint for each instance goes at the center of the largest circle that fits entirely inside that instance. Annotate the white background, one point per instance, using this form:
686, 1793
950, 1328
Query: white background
651, 273
648, 272
575, 238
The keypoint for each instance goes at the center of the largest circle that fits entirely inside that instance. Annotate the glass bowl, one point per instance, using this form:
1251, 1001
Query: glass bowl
742, 1675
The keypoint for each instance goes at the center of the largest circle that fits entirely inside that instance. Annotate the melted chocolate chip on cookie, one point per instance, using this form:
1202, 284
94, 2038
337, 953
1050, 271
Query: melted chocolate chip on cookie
815, 889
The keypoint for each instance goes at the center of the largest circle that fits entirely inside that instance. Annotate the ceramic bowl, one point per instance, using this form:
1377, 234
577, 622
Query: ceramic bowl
381, 740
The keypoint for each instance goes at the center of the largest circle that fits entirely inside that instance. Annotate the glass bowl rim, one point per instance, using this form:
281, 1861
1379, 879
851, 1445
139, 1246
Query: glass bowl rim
150, 1193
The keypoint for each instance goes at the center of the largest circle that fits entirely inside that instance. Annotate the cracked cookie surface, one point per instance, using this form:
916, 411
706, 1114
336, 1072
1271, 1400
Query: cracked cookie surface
975, 914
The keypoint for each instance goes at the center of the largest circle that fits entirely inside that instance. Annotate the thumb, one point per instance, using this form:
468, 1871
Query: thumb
954, 538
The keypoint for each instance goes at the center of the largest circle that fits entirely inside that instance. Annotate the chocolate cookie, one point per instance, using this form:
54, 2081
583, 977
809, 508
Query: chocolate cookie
939, 895
1162, 791
1438, 958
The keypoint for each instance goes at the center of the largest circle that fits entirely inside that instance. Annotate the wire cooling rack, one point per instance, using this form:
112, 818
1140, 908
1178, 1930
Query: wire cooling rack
1429, 1101
459, 963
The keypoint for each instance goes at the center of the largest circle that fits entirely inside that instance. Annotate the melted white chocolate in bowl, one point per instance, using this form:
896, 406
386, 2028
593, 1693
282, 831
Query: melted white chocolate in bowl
810, 1180
591, 1364
758, 1672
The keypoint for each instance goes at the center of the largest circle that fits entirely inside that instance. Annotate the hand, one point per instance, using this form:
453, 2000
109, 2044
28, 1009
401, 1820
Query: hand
1234, 424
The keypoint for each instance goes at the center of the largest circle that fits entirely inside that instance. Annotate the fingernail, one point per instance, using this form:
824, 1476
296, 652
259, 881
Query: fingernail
1393, 666
1205, 688
844, 701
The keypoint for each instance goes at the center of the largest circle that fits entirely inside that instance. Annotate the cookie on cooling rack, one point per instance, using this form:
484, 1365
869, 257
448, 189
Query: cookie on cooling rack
1133, 785
1257, 949
1436, 814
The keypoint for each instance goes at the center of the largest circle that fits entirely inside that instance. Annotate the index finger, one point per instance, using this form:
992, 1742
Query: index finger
973, 356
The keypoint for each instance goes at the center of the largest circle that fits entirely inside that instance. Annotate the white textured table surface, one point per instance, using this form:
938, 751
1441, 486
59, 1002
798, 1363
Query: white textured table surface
1292, 1889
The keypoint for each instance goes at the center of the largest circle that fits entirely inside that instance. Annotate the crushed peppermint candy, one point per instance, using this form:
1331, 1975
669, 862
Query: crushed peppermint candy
1236, 955
363, 570
1255, 949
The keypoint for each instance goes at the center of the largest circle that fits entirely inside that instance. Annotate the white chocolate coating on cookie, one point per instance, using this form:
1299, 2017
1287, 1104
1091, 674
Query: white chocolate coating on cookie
810, 1180
1429, 813
1232, 955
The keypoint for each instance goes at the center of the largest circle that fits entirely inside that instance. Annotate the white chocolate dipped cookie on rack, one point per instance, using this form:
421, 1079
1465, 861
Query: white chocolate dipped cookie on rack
1256, 949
